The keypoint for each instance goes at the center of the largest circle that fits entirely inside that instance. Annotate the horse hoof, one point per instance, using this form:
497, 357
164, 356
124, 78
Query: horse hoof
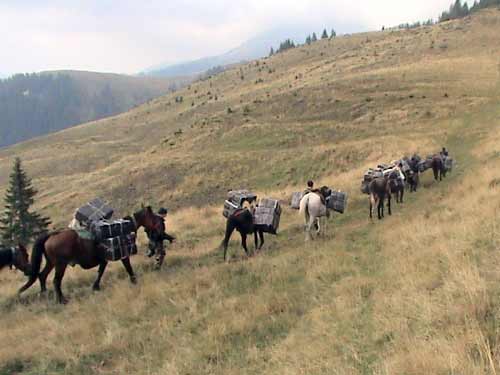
96, 288
63, 301
133, 280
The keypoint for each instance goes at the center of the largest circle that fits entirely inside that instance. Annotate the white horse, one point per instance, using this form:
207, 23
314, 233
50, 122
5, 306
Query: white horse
312, 209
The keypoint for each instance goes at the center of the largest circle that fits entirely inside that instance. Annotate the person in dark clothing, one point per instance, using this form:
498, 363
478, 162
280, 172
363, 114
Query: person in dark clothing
444, 152
310, 187
157, 237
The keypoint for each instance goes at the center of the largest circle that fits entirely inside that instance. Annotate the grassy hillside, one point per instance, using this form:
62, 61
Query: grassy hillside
414, 294
38, 104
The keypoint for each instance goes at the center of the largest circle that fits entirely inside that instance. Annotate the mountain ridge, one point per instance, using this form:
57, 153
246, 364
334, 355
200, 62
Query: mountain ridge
254, 48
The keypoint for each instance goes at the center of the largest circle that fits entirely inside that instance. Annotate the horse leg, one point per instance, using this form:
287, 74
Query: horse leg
44, 274
42, 277
256, 239
309, 226
388, 204
130, 271
244, 243
261, 235
100, 272
28, 284
60, 269
372, 204
380, 208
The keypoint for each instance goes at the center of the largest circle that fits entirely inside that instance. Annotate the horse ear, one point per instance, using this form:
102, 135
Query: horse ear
149, 209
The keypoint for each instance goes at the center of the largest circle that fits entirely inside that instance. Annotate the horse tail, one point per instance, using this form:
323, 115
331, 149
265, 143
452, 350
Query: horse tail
229, 231
37, 254
304, 206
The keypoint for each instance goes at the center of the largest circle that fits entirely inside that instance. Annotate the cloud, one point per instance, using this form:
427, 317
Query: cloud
129, 35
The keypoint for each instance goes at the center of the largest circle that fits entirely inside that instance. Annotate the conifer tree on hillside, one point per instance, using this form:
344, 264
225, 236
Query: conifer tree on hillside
287, 44
333, 34
271, 52
314, 38
308, 40
19, 224
460, 10
324, 35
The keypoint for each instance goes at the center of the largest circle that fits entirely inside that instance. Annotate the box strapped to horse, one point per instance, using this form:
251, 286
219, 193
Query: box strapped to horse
296, 198
337, 201
117, 237
368, 177
235, 200
267, 215
95, 210
449, 163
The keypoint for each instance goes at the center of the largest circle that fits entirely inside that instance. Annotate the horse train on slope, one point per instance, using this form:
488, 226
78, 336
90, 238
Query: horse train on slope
93, 238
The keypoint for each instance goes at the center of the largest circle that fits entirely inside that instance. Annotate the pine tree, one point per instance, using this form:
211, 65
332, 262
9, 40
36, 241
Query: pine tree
271, 52
19, 224
333, 34
314, 38
287, 44
308, 40
324, 35
465, 9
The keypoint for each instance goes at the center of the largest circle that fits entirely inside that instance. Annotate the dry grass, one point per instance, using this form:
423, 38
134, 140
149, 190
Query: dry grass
414, 294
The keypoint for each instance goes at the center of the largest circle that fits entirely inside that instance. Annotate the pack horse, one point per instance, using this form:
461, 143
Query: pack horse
66, 247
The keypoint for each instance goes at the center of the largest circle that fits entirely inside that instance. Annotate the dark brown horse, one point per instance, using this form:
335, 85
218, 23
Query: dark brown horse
16, 257
379, 190
438, 167
66, 247
412, 179
397, 186
242, 221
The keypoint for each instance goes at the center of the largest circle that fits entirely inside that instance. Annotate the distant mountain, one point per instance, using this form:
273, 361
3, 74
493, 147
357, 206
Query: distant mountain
252, 49
36, 104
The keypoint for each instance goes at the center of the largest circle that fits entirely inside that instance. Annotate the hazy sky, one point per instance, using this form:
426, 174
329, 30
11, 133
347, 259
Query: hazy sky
127, 36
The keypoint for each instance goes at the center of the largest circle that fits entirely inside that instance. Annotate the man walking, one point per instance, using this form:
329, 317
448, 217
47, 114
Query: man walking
157, 237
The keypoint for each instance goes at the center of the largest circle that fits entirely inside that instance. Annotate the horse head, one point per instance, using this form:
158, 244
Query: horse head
20, 259
146, 218
249, 205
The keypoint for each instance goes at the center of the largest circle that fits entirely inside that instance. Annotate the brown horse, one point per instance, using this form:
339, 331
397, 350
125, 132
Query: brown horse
66, 247
379, 190
242, 221
438, 167
16, 257
397, 186
413, 180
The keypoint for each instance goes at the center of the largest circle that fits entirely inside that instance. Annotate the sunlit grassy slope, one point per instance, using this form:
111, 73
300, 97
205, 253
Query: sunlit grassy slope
415, 294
